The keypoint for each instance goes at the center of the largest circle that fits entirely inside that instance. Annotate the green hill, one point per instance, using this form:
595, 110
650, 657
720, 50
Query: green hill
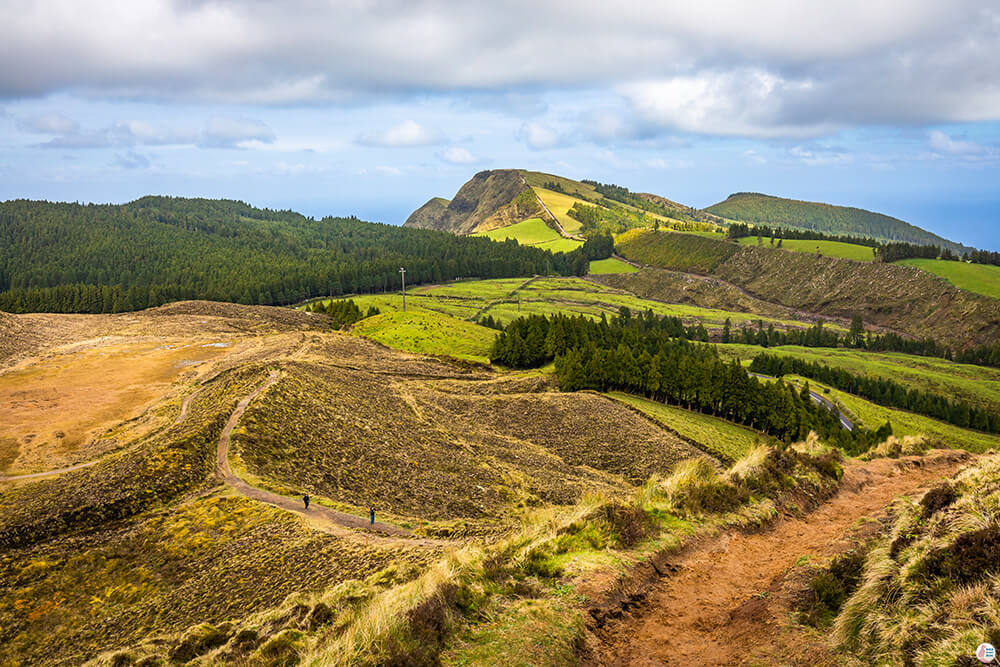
760, 209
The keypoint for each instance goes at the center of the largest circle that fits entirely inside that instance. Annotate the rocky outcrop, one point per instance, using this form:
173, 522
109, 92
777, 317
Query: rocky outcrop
489, 200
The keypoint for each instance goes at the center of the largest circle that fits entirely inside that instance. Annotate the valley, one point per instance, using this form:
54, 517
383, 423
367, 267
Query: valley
555, 454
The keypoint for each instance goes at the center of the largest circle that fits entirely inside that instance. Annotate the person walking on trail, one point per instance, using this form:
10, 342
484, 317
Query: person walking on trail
305, 499
372, 516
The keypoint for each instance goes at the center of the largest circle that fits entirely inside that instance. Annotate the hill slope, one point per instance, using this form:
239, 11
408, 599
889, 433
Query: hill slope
752, 207
887, 295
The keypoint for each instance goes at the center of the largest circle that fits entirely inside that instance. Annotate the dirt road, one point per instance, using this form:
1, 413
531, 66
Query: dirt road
720, 607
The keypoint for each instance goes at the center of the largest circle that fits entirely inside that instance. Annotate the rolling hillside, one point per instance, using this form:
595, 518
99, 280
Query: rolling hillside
760, 209
887, 295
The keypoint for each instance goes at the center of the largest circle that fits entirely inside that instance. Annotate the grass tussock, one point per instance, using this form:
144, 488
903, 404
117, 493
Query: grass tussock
929, 591
893, 447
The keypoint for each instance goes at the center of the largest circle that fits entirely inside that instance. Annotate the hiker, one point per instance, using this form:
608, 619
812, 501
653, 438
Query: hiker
372, 515
305, 499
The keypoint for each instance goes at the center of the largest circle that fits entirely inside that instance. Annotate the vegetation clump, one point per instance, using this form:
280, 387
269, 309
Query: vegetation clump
928, 590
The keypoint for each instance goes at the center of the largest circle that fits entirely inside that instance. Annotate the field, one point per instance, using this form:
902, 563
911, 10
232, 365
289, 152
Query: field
672, 250
610, 265
559, 205
533, 232
979, 278
853, 251
978, 385
428, 332
509, 299
723, 438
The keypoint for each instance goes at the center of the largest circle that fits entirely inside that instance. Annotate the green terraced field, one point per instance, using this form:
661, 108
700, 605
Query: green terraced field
427, 332
859, 253
979, 278
978, 385
716, 435
610, 265
511, 298
533, 232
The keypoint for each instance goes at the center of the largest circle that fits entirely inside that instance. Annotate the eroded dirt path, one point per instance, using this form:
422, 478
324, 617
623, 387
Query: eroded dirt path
331, 521
716, 610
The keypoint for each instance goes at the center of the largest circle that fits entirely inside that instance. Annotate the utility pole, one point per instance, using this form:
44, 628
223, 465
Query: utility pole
402, 272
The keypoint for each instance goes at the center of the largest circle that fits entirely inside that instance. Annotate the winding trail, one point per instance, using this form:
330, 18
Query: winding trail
719, 607
338, 523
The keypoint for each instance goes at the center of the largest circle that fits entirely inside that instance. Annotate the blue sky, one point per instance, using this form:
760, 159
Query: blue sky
370, 107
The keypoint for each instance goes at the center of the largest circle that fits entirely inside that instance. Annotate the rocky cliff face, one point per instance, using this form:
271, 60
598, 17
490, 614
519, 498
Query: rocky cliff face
489, 200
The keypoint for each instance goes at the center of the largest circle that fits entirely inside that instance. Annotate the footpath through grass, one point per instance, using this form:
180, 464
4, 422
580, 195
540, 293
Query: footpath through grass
979, 278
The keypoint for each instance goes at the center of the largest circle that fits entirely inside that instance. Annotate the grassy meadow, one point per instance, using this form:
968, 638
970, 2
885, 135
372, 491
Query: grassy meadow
718, 436
428, 332
979, 278
853, 251
534, 232
610, 265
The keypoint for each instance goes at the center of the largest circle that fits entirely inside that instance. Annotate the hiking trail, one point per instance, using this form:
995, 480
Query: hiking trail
725, 604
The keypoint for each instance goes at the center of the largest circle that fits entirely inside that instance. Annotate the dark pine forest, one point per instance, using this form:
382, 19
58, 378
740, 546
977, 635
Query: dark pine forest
74, 258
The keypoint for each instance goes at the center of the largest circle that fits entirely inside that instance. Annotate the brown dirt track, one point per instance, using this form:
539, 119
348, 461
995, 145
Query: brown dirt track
728, 601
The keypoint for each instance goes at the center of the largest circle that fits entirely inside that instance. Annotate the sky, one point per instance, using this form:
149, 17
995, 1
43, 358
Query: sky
371, 107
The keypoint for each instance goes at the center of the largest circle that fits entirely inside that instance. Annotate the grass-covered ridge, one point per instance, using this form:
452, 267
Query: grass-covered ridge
839, 249
763, 209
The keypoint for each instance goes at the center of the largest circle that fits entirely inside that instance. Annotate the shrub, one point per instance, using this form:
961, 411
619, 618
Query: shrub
697, 487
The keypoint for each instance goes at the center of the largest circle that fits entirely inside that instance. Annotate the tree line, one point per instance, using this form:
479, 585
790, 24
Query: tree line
882, 391
739, 230
61, 257
638, 355
342, 312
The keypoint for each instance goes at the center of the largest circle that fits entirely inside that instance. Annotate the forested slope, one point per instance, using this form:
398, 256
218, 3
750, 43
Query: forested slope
887, 295
60, 257
762, 209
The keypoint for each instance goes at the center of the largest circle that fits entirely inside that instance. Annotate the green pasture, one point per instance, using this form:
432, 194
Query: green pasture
610, 265
536, 233
979, 278
428, 332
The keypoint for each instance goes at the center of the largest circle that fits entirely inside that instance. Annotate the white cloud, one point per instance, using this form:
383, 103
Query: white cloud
48, 123
943, 143
538, 136
388, 171
230, 132
406, 134
459, 155
820, 157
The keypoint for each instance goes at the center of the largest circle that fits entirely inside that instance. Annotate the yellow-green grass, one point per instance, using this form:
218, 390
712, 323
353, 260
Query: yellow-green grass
977, 385
871, 416
610, 265
827, 248
559, 205
707, 235
508, 299
979, 278
428, 332
536, 233
716, 435
537, 181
